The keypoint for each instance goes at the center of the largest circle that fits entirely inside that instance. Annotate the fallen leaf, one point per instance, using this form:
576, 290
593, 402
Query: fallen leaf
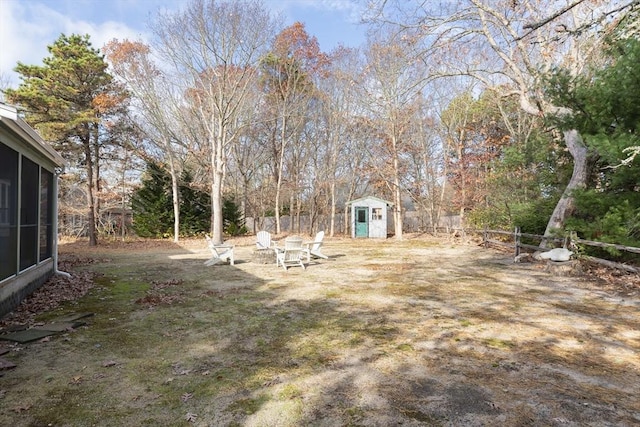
109, 363
53, 293
191, 417
21, 408
186, 396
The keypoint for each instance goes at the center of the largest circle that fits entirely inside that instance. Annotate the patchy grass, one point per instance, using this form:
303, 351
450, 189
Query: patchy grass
418, 332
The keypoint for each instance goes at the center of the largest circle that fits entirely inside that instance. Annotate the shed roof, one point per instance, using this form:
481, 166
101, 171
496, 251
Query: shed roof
10, 118
377, 199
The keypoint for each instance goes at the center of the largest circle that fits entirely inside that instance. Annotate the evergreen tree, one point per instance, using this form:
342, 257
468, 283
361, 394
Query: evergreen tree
66, 100
233, 219
195, 207
152, 205
607, 103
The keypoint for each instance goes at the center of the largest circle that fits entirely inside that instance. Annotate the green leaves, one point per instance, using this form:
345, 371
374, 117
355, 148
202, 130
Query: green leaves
152, 205
606, 110
58, 97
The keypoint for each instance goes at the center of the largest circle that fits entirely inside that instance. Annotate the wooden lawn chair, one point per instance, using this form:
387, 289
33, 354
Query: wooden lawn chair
314, 247
219, 253
292, 253
263, 240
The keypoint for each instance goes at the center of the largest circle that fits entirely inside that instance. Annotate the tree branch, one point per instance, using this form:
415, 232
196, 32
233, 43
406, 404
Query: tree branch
534, 26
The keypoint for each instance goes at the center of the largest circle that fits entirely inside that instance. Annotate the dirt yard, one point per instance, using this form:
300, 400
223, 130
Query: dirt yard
421, 332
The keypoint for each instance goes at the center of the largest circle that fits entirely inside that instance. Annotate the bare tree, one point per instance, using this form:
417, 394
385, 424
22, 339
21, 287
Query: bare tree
513, 44
394, 81
288, 82
249, 167
4, 84
425, 177
338, 107
215, 48
153, 105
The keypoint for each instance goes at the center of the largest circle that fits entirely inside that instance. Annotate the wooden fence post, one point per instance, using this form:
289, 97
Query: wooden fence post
516, 240
573, 241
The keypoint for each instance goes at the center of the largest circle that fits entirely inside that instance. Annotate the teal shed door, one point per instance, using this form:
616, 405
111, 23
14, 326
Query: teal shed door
362, 222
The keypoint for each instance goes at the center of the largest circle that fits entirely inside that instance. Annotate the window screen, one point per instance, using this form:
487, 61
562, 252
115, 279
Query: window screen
29, 201
8, 211
46, 214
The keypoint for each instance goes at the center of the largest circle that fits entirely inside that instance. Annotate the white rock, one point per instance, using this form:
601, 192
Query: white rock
557, 254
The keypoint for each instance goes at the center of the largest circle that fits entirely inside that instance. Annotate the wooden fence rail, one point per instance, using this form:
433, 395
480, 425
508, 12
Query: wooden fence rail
513, 239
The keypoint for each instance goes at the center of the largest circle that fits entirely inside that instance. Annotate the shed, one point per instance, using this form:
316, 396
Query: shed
28, 209
369, 217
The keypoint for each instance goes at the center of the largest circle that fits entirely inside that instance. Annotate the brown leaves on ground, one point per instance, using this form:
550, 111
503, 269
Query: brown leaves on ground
616, 281
55, 291
131, 244
156, 295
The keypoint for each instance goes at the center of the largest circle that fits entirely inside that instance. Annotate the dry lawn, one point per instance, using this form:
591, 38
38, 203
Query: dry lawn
421, 332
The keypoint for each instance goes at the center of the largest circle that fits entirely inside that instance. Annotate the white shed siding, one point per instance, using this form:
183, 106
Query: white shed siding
377, 226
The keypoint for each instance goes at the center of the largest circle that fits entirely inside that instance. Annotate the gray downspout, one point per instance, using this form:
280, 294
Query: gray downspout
55, 224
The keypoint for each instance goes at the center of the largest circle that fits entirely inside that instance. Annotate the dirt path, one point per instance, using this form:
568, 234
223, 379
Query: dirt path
419, 332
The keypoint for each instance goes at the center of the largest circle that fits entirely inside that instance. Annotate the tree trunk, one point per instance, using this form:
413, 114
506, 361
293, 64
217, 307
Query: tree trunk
216, 208
95, 137
332, 222
280, 171
398, 211
123, 200
91, 214
175, 193
397, 193
578, 180
217, 167
291, 213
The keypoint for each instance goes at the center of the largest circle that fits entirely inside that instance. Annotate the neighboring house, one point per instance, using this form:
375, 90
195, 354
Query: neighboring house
28, 209
369, 217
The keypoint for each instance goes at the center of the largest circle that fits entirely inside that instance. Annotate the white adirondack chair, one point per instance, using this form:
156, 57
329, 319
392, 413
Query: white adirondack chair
219, 253
292, 253
314, 247
263, 240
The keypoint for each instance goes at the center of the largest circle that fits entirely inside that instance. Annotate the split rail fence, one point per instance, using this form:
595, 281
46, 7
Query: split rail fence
513, 239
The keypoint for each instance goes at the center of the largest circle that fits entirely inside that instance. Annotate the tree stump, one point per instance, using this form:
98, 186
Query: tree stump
564, 268
264, 256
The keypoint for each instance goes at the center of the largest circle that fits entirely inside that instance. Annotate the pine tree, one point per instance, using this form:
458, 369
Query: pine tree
195, 207
66, 100
608, 115
233, 219
151, 203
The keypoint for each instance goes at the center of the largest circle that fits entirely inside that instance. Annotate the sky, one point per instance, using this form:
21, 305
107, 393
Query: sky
27, 27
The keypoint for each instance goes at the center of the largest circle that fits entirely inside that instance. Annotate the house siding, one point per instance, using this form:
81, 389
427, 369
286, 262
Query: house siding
15, 289
27, 209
